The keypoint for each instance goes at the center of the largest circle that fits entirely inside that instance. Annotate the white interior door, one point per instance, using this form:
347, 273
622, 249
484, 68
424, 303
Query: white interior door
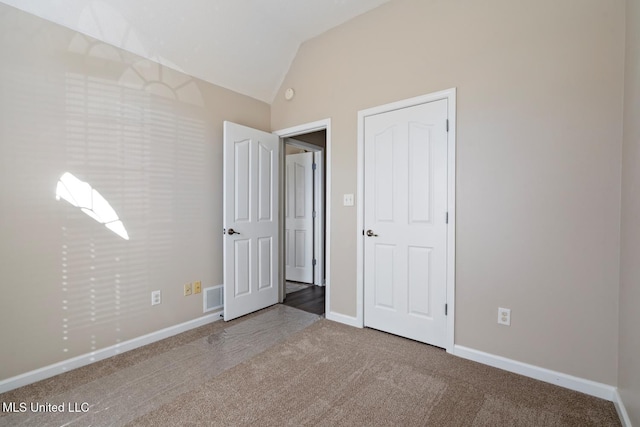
405, 208
299, 217
250, 217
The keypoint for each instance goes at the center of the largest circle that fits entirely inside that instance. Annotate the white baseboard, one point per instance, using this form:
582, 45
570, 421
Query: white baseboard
342, 318
622, 411
95, 356
582, 385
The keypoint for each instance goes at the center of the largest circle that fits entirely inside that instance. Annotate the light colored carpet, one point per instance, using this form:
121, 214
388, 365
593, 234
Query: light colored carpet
335, 375
325, 374
127, 386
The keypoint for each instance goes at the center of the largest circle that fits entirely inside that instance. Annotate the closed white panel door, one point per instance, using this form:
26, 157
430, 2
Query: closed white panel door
405, 204
250, 219
299, 217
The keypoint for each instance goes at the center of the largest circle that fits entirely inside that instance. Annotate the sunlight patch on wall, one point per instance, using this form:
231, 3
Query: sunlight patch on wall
80, 194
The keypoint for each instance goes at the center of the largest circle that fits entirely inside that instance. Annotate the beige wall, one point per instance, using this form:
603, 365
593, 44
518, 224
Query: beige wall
146, 138
290, 149
629, 361
538, 167
318, 138
539, 146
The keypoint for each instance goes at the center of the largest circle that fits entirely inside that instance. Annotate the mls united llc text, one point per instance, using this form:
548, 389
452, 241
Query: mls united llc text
45, 407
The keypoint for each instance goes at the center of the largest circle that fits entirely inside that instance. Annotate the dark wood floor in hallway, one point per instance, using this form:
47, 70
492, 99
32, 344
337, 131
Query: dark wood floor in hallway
309, 299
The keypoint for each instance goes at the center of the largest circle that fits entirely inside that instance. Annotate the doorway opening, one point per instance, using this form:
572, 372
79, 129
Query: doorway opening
305, 160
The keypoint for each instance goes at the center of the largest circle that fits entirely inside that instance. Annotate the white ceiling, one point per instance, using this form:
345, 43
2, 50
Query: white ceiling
243, 45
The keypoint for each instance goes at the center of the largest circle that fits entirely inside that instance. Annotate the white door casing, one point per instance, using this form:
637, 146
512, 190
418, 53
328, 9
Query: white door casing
250, 209
405, 209
299, 225
318, 227
324, 271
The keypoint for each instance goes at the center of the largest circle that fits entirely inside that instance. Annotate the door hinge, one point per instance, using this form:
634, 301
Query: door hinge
447, 125
446, 309
313, 262
313, 214
446, 218
314, 166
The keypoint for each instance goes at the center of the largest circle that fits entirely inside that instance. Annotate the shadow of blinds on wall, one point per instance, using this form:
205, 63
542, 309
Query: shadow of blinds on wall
134, 143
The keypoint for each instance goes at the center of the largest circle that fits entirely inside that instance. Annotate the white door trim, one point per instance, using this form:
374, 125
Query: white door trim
319, 187
290, 133
450, 96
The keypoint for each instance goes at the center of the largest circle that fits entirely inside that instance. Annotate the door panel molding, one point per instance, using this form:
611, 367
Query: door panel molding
250, 195
450, 96
299, 221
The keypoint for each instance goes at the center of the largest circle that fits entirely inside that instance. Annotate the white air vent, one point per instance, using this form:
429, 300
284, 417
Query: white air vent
213, 298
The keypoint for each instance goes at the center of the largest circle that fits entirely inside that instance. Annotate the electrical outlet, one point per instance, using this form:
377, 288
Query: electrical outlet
156, 297
504, 316
187, 289
197, 287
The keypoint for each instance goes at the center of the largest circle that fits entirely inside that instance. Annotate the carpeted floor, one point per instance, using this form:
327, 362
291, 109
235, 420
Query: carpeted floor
122, 388
329, 374
335, 375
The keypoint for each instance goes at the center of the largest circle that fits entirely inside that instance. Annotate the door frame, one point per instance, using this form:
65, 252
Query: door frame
450, 96
318, 205
292, 132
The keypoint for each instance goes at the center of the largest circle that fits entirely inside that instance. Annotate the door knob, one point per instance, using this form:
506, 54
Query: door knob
231, 232
370, 233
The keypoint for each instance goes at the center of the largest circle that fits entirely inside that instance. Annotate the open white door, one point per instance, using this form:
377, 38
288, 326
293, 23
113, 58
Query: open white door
250, 218
299, 217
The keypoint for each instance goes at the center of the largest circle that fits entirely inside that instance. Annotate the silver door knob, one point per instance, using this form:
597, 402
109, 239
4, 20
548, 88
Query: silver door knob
370, 233
231, 232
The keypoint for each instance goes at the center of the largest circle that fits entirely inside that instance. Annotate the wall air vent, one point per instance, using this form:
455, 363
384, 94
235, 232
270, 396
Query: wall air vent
213, 298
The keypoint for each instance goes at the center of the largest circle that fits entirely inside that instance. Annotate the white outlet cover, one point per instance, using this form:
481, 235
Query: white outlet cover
504, 316
156, 297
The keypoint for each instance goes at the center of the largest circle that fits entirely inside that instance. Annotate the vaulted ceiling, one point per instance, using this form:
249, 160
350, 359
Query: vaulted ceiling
243, 45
